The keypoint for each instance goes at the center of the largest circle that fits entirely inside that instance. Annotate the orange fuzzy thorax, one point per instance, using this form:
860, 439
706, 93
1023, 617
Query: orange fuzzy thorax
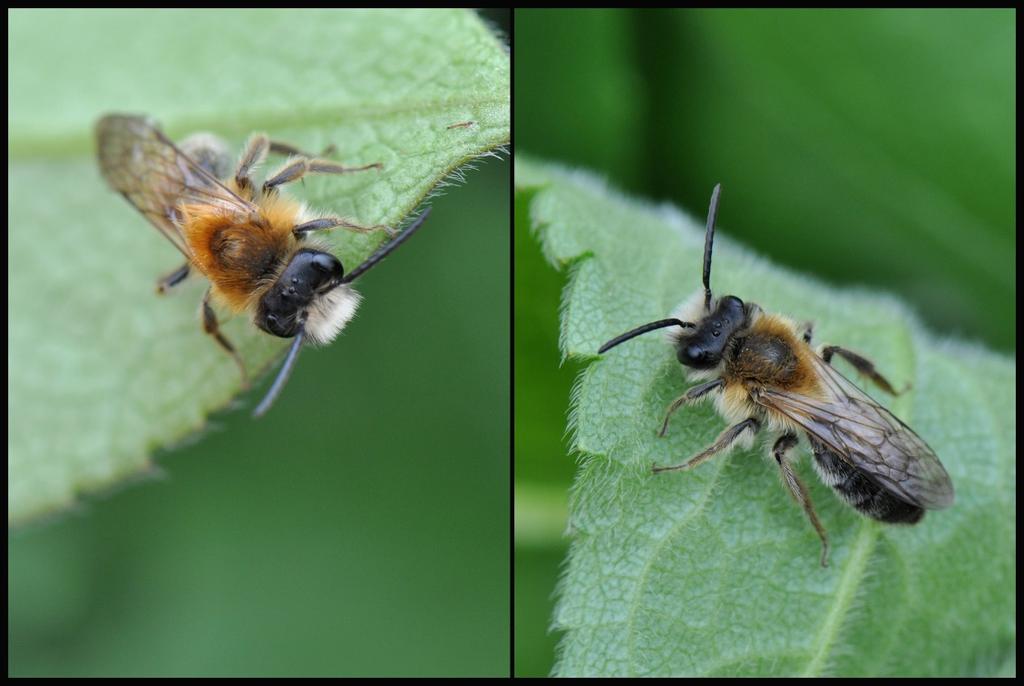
242, 255
801, 378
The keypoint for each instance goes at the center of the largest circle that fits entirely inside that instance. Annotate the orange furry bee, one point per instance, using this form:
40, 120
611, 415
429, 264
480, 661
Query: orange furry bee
250, 241
763, 374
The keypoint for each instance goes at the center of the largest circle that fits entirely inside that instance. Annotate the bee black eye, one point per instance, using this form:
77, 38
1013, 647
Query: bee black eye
699, 355
325, 263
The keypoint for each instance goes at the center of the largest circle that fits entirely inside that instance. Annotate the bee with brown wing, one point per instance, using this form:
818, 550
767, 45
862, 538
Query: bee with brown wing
764, 375
250, 241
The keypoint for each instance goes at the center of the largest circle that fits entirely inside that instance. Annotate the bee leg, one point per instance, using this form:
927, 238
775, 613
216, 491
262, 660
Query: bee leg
171, 280
297, 167
255, 152
862, 365
293, 170
808, 332
724, 442
211, 327
282, 148
324, 223
797, 489
321, 166
690, 396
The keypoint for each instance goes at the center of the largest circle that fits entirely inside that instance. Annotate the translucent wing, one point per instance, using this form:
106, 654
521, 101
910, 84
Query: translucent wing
867, 436
141, 163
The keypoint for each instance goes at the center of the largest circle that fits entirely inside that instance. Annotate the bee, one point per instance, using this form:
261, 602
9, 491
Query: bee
763, 374
251, 242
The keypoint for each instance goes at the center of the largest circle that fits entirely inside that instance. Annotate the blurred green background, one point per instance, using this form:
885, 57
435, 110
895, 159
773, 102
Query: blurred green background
872, 148
361, 528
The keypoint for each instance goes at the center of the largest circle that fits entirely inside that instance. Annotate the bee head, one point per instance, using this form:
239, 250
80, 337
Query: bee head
703, 348
309, 274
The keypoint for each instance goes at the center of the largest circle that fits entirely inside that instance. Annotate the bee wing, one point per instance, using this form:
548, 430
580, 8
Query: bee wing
867, 436
141, 163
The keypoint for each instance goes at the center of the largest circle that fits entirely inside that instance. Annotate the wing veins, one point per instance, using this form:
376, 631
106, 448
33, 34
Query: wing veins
157, 178
867, 436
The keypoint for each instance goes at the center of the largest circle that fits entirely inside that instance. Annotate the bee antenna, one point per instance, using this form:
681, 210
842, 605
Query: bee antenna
660, 324
384, 250
709, 239
282, 375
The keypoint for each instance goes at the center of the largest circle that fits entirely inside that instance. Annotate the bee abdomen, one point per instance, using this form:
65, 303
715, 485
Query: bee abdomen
859, 490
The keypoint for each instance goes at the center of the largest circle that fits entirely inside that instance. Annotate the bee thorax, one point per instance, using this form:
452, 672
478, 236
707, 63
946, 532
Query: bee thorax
764, 359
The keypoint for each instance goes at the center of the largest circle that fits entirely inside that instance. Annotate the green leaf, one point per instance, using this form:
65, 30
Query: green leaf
101, 370
715, 571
